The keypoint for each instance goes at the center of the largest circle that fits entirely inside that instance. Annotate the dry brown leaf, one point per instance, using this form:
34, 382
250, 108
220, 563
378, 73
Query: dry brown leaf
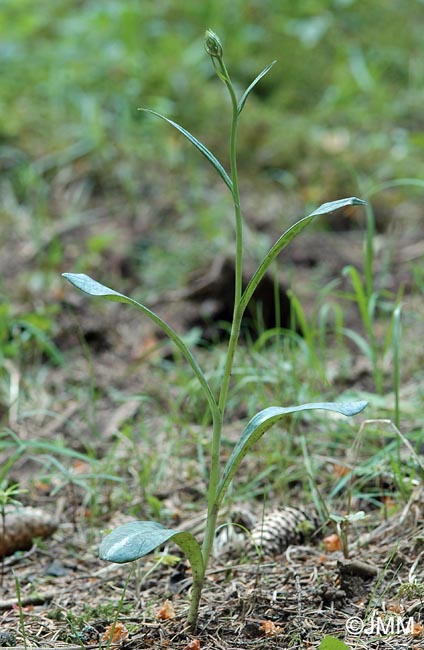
80, 467
42, 487
115, 634
166, 611
417, 629
340, 470
193, 645
394, 607
390, 504
22, 525
269, 628
332, 543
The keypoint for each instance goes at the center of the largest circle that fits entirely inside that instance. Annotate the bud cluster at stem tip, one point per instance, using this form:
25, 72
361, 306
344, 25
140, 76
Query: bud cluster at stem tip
213, 45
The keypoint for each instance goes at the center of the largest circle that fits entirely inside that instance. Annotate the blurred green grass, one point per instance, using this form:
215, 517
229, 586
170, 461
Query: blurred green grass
88, 180
344, 98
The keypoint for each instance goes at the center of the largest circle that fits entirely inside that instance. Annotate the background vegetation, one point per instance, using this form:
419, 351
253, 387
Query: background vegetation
90, 184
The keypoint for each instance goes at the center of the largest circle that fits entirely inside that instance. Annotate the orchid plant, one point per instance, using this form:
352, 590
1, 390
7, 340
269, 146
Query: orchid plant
133, 540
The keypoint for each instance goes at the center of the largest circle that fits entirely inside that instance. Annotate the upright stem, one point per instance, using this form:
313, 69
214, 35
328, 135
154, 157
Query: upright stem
213, 505
236, 322
193, 612
212, 492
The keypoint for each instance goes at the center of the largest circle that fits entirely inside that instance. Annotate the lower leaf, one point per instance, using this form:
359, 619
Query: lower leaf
136, 539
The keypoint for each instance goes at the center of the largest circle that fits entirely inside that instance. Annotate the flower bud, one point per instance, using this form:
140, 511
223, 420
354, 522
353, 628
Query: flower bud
213, 45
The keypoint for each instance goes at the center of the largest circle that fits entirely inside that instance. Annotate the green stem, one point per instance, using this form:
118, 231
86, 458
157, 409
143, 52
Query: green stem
236, 322
3, 550
20, 609
193, 612
212, 492
213, 505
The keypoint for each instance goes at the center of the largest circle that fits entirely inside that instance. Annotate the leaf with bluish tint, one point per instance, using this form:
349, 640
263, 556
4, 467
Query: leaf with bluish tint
264, 420
136, 539
94, 288
199, 145
246, 93
286, 238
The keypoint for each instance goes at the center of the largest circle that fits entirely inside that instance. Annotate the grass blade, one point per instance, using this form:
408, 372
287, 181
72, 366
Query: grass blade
43, 340
397, 313
360, 295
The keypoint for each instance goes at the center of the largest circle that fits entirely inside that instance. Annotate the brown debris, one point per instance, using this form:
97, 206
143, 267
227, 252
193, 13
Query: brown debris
115, 634
166, 611
332, 543
244, 605
269, 628
364, 570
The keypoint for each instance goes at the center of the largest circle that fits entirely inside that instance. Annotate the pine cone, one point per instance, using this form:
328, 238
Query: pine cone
21, 526
276, 531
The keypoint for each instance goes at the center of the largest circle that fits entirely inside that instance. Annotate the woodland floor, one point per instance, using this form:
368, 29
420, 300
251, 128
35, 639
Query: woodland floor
69, 597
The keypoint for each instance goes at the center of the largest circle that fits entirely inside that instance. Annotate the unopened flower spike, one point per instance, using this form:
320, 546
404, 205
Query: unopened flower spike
213, 47
213, 44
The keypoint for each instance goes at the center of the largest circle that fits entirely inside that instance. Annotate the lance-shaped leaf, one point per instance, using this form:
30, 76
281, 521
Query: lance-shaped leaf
252, 85
199, 145
94, 288
136, 539
286, 238
262, 421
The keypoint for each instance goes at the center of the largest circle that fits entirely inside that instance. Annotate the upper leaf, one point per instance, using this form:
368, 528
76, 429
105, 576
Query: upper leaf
252, 85
199, 145
332, 206
348, 519
262, 421
286, 238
